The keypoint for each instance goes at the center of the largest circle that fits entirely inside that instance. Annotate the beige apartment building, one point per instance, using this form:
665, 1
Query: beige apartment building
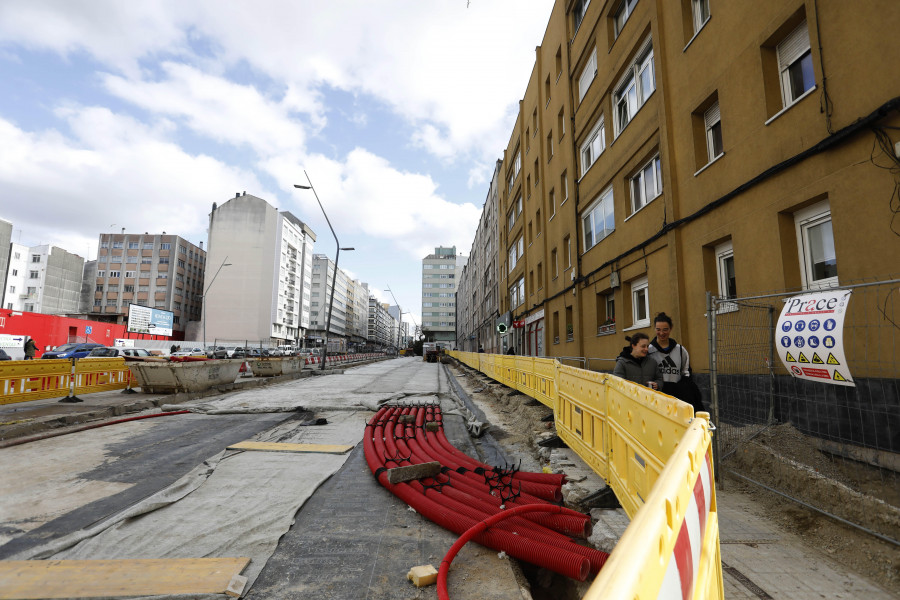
664, 150
161, 271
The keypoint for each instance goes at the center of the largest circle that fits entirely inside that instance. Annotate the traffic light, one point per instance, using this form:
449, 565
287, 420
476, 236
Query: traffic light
501, 328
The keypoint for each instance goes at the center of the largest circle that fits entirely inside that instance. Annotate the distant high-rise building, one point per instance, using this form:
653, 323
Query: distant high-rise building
161, 271
439, 280
6, 229
258, 276
44, 279
343, 320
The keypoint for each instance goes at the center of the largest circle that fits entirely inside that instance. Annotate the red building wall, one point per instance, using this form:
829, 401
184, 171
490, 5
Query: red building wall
50, 331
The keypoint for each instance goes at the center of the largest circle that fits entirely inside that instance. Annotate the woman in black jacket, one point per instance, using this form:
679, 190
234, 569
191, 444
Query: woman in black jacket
634, 365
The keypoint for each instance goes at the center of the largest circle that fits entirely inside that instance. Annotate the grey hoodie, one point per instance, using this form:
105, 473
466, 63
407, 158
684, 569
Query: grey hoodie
638, 370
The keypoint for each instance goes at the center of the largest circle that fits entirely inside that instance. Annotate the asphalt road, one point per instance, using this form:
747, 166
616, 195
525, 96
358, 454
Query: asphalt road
350, 539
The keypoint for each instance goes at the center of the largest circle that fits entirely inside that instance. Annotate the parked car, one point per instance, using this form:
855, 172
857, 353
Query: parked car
112, 352
230, 350
190, 352
72, 350
4, 355
217, 352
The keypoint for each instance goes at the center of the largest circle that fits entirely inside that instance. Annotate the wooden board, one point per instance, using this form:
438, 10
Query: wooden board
276, 447
28, 579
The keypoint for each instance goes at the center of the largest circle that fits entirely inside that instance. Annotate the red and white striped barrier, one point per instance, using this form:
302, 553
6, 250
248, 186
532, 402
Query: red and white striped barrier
681, 574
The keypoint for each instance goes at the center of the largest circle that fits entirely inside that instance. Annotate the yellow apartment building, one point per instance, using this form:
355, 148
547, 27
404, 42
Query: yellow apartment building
664, 150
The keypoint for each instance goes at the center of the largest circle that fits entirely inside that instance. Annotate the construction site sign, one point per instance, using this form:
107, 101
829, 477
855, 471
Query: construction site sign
810, 337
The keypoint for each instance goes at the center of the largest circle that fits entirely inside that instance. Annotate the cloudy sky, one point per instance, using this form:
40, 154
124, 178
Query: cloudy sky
139, 115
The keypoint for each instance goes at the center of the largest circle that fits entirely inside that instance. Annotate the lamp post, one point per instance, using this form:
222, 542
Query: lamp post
336, 257
399, 319
203, 298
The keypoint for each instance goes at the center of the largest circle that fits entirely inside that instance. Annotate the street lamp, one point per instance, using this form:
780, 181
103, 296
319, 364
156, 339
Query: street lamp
399, 319
336, 257
203, 298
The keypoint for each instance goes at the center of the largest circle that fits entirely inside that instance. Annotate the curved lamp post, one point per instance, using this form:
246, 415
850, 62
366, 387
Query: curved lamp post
336, 257
206, 291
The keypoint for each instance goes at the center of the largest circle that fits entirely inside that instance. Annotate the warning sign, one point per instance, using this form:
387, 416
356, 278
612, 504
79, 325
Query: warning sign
810, 323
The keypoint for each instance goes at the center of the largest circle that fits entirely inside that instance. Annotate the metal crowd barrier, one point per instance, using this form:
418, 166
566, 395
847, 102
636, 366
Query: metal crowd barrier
26, 380
653, 452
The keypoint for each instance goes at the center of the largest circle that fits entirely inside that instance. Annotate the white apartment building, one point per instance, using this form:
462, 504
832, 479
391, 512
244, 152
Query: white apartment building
382, 326
44, 279
359, 299
439, 282
342, 317
258, 273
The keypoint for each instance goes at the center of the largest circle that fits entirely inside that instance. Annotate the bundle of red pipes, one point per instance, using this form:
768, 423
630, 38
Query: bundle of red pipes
466, 492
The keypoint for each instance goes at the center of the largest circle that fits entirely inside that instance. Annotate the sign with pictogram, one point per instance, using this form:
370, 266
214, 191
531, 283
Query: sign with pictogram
810, 324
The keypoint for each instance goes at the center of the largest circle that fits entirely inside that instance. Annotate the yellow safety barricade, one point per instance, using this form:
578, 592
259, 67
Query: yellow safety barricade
655, 455
26, 380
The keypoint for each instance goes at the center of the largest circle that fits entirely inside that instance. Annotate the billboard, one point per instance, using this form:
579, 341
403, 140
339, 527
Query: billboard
143, 319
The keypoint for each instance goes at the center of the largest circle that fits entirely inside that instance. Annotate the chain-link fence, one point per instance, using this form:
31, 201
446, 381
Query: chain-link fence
780, 429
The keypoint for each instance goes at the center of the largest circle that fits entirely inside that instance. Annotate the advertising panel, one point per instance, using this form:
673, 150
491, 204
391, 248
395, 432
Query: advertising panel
143, 319
810, 337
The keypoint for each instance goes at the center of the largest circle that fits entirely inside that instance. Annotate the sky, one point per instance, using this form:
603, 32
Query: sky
140, 115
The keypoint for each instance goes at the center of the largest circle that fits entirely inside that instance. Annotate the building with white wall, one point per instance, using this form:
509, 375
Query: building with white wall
258, 277
44, 279
439, 282
342, 316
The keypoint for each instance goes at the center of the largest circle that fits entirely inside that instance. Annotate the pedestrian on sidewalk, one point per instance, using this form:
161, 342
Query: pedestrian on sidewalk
674, 363
634, 365
30, 348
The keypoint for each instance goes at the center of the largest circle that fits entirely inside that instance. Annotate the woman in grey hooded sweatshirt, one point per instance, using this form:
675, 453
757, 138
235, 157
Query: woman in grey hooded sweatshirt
634, 365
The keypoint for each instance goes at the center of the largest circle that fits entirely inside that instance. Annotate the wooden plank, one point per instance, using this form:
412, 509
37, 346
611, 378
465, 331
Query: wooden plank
277, 447
31, 579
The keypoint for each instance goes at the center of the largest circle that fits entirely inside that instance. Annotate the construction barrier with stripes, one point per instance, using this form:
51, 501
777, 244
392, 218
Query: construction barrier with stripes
27, 380
654, 454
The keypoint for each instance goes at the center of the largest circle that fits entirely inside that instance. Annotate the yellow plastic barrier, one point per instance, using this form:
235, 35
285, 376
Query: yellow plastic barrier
26, 380
653, 453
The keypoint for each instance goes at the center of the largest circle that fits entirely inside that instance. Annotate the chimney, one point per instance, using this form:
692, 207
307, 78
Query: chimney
237, 194
201, 245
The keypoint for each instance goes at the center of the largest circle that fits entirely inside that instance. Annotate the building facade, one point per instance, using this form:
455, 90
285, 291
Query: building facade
44, 279
343, 320
664, 150
161, 271
439, 284
259, 273
477, 307
358, 303
382, 327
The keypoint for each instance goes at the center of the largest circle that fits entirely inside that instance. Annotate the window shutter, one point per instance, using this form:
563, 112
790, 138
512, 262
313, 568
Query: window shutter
711, 116
793, 46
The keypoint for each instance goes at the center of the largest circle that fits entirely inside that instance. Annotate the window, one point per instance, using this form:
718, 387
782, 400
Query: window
128, 288
164, 260
547, 91
101, 274
640, 303
587, 75
29, 308
165, 246
102, 245
699, 14
795, 65
554, 263
129, 274
578, 12
516, 251
12, 289
568, 244
646, 185
114, 274
131, 259
33, 274
540, 276
517, 293
148, 245
713, 124
35, 258
620, 17
537, 172
551, 200
558, 63
815, 243
564, 187
550, 145
15, 272
118, 244
561, 122
725, 274
133, 245
599, 220
593, 146
635, 88
146, 260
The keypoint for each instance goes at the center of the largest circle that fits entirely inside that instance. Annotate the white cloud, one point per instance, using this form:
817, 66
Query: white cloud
67, 190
